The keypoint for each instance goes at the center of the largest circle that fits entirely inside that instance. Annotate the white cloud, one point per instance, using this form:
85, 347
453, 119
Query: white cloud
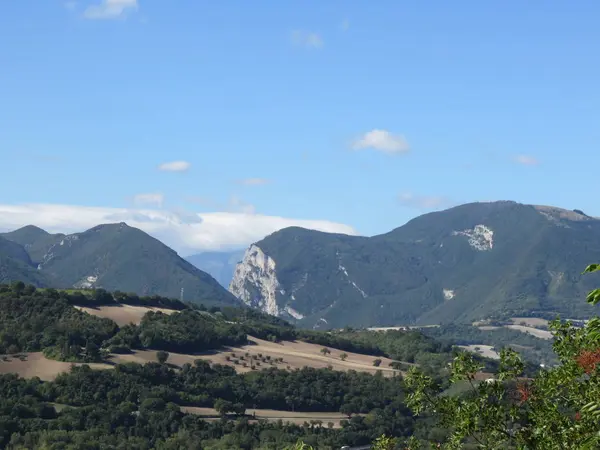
111, 9
186, 232
526, 160
149, 199
175, 166
236, 204
307, 39
253, 181
382, 141
423, 202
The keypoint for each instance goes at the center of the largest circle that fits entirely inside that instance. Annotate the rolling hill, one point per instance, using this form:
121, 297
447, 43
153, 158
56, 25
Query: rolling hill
467, 263
110, 256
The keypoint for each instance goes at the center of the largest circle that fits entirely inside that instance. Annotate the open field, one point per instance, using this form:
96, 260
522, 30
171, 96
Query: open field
542, 334
272, 415
483, 350
122, 314
37, 365
299, 354
533, 322
296, 355
531, 325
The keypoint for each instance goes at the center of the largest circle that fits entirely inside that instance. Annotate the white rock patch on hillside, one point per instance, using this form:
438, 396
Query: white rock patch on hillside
480, 238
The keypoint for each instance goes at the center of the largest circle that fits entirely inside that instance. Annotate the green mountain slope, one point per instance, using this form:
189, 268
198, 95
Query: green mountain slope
16, 265
466, 263
34, 240
113, 257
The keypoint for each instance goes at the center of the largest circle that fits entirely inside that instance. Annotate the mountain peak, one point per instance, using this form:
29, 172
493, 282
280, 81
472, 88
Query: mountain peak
27, 232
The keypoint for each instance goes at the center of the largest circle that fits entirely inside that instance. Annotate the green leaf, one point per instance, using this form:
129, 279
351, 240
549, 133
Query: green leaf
592, 268
594, 297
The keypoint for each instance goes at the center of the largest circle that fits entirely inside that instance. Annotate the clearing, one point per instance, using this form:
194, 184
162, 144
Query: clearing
264, 354
295, 355
483, 350
35, 364
122, 314
273, 415
531, 325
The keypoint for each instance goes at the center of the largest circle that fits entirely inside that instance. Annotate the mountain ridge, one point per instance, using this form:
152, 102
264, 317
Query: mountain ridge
461, 264
110, 256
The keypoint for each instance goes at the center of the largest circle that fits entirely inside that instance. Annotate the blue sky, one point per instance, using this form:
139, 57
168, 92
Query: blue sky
357, 113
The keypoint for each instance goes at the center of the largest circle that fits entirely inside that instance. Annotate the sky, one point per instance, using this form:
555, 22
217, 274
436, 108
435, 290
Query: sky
212, 124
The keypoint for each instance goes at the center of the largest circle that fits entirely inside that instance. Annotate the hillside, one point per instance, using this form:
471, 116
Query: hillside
34, 240
221, 265
110, 256
471, 262
67, 357
16, 265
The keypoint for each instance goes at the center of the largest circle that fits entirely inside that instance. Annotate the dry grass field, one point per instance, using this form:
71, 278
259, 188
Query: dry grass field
273, 415
529, 325
37, 365
296, 355
122, 314
483, 350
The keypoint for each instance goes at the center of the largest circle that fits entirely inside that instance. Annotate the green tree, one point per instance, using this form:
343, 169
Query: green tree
343, 356
559, 408
325, 351
385, 443
377, 362
223, 407
162, 356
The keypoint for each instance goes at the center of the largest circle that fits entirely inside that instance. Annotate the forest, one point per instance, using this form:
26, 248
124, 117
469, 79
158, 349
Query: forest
139, 406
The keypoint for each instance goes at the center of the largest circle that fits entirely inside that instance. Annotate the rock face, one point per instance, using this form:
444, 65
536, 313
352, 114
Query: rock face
255, 281
471, 262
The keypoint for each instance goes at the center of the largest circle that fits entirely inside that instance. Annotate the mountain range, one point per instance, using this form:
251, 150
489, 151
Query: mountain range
110, 256
471, 262
468, 263
220, 265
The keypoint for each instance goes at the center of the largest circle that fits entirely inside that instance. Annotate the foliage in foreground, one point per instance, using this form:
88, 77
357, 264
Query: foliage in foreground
559, 408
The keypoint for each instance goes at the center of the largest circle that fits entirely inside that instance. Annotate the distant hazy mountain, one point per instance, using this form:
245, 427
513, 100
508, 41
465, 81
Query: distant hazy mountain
466, 263
111, 256
220, 265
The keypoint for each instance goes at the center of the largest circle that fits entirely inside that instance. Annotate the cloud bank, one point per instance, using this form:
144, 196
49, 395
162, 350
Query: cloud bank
185, 232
